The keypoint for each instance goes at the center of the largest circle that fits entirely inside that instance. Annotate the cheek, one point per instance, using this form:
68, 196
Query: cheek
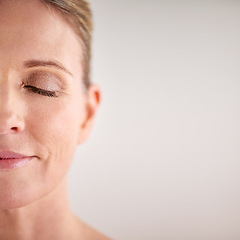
54, 128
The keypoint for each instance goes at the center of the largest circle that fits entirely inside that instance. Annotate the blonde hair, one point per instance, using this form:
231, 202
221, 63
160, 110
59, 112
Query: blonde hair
78, 13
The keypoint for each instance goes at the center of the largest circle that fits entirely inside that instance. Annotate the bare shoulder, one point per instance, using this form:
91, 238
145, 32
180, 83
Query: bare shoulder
89, 233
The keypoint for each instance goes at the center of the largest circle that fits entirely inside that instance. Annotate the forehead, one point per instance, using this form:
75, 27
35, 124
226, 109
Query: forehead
30, 29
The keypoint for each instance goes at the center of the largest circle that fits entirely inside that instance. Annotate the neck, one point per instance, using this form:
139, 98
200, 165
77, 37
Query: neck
47, 218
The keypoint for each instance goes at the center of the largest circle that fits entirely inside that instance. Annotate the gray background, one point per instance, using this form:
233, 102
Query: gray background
163, 159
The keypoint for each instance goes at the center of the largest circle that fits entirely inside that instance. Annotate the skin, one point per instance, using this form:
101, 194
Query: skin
46, 125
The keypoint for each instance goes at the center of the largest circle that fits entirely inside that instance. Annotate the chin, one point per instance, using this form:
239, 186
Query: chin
13, 198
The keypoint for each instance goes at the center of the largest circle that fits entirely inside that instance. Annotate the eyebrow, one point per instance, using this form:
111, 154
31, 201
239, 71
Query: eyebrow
46, 63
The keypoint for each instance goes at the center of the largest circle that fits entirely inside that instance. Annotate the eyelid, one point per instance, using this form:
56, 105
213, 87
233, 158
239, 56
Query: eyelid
34, 78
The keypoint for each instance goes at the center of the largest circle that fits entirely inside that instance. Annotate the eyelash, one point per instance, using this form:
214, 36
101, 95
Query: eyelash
41, 91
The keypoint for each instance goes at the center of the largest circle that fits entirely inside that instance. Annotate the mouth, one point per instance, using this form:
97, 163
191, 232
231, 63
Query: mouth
12, 160
11, 155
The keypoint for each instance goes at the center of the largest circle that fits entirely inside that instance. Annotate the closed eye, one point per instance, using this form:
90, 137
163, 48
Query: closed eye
41, 91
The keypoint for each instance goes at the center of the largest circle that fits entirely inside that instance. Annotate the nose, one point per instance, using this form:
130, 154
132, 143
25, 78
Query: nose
11, 120
9, 123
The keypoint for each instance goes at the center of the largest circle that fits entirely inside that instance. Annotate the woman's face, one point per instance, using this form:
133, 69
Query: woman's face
43, 108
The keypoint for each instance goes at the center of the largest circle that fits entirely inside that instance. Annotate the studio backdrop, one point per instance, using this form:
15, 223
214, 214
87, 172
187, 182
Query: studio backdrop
163, 160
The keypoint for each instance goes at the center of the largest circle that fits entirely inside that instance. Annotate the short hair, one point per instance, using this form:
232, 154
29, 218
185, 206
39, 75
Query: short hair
78, 13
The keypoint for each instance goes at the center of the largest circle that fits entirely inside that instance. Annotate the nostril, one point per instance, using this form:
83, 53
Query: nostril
14, 128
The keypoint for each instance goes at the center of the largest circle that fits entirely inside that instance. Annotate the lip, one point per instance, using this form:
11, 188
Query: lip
12, 160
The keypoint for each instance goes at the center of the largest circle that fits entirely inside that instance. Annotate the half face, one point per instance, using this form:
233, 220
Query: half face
43, 107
